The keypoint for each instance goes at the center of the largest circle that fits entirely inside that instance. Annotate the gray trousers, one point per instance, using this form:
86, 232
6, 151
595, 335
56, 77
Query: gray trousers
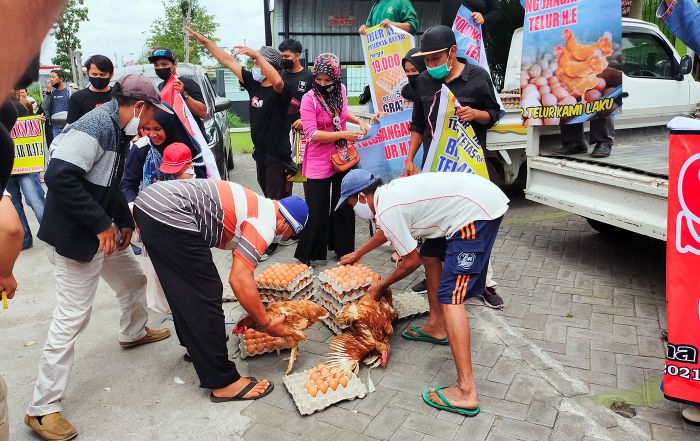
4, 417
602, 130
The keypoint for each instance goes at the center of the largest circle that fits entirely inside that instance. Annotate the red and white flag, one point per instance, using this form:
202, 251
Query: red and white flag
177, 102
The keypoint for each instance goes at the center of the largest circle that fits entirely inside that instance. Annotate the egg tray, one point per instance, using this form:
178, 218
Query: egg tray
304, 294
308, 404
344, 296
333, 325
326, 279
410, 304
294, 287
244, 350
329, 302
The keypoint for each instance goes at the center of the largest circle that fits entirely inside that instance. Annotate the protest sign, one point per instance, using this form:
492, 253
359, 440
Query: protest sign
385, 147
384, 48
28, 135
298, 142
454, 147
682, 369
571, 60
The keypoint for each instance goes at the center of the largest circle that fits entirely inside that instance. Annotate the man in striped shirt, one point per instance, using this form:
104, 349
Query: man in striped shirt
179, 222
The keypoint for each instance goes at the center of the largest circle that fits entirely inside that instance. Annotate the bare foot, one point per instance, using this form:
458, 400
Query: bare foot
456, 396
234, 388
437, 333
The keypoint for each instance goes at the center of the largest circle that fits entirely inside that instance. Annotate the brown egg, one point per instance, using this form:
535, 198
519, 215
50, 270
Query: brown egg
250, 349
323, 387
269, 345
312, 390
260, 347
314, 375
343, 381
324, 372
333, 383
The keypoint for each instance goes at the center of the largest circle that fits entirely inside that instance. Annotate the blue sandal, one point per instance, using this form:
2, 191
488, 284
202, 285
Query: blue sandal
447, 406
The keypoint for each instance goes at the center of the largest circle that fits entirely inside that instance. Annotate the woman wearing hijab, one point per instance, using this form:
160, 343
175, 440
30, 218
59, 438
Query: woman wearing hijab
142, 166
324, 114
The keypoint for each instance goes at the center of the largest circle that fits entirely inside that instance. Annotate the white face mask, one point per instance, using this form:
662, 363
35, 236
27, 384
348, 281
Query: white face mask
132, 128
258, 75
279, 237
362, 210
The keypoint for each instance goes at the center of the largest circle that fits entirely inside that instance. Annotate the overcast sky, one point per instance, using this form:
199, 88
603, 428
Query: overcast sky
118, 28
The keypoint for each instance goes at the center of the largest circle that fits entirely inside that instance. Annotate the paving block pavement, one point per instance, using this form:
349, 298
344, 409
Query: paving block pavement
581, 325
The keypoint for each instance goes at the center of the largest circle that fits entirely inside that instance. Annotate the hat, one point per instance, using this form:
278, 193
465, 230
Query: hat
353, 183
139, 87
436, 39
295, 211
272, 56
161, 52
175, 156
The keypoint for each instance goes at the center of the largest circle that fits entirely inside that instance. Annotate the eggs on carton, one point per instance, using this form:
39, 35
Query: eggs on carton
347, 282
253, 342
285, 281
319, 388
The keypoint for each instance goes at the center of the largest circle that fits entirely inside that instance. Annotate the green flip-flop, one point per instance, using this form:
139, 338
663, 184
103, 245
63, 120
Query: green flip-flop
422, 336
448, 407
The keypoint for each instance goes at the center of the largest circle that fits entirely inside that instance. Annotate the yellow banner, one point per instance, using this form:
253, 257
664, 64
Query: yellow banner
28, 135
384, 48
454, 147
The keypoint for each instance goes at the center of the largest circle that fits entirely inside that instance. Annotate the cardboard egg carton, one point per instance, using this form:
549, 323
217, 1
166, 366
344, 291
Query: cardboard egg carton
308, 404
329, 302
356, 279
409, 304
274, 296
286, 292
243, 346
346, 296
333, 324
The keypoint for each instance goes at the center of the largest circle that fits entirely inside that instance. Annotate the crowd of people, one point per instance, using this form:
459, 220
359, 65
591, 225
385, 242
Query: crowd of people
127, 176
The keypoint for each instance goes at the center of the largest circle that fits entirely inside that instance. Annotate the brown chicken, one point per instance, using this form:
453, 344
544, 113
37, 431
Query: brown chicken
369, 333
298, 316
583, 52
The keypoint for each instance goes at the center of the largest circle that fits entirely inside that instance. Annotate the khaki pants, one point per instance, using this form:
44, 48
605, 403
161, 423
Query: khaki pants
4, 417
490, 283
76, 284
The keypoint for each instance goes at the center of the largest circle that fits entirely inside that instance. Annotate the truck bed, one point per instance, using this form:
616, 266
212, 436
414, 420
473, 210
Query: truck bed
642, 151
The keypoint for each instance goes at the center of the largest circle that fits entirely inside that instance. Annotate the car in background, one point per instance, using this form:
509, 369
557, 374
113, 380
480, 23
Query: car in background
215, 124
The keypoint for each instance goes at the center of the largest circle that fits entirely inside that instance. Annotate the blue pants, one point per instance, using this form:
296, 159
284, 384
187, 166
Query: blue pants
466, 255
56, 131
29, 186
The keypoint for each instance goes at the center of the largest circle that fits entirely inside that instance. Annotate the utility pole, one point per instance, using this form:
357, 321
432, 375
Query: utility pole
636, 8
188, 22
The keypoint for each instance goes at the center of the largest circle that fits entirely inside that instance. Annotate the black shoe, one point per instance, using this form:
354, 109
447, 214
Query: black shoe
573, 148
420, 287
492, 299
601, 150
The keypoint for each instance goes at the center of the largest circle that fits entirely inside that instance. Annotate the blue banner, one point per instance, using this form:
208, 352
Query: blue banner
385, 147
469, 37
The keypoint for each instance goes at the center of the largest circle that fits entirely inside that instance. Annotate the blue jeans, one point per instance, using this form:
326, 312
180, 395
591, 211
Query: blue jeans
29, 185
56, 131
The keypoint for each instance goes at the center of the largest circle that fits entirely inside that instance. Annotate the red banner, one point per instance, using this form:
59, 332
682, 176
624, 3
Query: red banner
682, 370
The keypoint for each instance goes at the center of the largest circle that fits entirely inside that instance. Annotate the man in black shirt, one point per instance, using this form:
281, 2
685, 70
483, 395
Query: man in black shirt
484, 12
165, 64
100, 71
297, 78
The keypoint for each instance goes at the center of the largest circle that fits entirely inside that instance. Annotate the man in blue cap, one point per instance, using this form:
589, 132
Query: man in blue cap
179, 222
461, 211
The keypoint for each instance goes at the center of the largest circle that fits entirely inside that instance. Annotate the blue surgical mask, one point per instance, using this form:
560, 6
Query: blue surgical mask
258, 75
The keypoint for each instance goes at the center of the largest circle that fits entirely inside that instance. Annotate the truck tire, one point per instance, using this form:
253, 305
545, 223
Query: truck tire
605, 229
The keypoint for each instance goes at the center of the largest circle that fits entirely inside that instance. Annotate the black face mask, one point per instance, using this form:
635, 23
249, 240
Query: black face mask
164, 73
99, 83
412, 80
287, 63
325, 90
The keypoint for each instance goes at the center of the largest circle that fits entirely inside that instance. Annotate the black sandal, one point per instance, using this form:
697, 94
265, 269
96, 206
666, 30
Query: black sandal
239, 396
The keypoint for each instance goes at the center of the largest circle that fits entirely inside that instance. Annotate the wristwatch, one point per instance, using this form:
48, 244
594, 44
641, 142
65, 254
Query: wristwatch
185, 95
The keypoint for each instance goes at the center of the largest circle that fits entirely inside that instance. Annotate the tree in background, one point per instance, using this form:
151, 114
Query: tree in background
65, 31
169, 30
498, 39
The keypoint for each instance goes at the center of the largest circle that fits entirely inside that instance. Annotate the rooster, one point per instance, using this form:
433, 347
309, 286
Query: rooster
369, 332
298, 316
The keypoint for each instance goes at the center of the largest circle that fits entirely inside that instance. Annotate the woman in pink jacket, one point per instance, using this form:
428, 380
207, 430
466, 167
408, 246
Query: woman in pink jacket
324, 114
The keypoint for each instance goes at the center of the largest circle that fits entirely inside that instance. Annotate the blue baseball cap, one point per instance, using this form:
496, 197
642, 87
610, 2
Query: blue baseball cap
353, 183
295, 212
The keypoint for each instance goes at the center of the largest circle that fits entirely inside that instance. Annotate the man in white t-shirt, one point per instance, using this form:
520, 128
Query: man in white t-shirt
464, 209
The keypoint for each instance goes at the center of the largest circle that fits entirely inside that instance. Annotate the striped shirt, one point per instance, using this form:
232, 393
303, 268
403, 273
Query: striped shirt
227, 215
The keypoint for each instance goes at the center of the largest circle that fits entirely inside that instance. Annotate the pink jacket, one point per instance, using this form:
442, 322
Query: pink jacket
317, 158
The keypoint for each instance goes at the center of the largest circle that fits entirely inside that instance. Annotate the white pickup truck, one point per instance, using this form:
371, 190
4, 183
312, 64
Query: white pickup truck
629, 189
657, 87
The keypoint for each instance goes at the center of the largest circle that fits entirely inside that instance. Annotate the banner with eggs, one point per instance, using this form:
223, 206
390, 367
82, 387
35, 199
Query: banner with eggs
572, 59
